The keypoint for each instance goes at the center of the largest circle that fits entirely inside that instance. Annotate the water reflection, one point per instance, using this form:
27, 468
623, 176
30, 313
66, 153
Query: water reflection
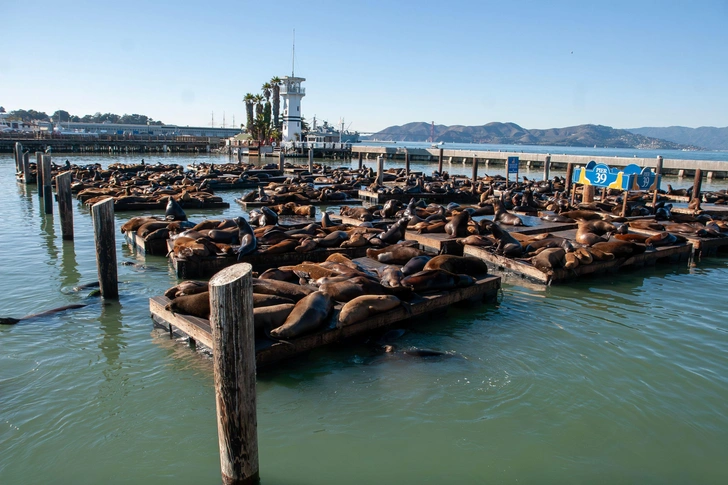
69, 266
111, 341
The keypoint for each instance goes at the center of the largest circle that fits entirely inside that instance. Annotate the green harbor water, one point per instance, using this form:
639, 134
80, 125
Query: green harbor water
614, 379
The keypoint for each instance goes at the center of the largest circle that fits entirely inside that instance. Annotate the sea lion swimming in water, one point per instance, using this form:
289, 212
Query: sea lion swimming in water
13, 321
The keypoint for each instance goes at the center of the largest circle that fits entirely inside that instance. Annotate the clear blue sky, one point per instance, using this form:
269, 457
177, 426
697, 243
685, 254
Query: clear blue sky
377, 63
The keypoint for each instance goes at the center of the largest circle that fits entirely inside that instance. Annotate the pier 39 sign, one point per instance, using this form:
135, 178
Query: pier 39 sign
633, 177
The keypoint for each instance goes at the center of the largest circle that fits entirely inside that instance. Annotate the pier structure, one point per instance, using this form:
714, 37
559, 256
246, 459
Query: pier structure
109, 143
678, 167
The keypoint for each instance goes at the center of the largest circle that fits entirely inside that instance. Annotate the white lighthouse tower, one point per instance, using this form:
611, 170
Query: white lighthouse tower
292, 92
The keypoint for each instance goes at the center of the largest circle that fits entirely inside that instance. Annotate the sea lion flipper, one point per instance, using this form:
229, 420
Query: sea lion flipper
8, 320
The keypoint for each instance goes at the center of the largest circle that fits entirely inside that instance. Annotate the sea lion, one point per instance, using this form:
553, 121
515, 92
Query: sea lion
638, 238
549, 259
260, 300
197, 305
356, 240
503, 216
416, 352
266, 318
189, 287
248, 241
136, 222
661, 239
507, 245
390, 208
581, 215
415, 264
474, 240
269, 217
458, 225
365, 306
436, 279
351, 288
306, 245
307, 315
280, 274
591, 232
174, 211
395, 233
391, 276
150, 227
394, 254
13, 321
620, 249
571, 261
281, 288
285, 246
332, 240
458, 265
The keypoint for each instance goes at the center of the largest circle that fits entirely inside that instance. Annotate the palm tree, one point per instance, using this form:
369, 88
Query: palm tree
276, 83
248, 100
266, 91
258, 125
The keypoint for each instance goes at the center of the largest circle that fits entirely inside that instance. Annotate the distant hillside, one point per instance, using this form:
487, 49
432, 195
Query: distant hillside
512, 134
706, 136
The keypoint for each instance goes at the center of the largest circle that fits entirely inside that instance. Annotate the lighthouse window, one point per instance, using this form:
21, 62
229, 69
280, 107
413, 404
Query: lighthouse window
298, 108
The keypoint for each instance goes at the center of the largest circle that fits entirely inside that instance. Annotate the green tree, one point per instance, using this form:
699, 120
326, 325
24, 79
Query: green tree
276, 83
248, 100
61, 116
28, 115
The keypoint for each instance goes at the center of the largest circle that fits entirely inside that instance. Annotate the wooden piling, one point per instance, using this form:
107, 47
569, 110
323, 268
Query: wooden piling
569, 175
474, 177
361, 162
26, 168
105, 239
65, 207
281, 160
18, 154
658, 170
39, 173
310, 160
46, 188
380, 170
439, 162
233, 336
406, 163
697, 185
588, 194
625, 196
546, 167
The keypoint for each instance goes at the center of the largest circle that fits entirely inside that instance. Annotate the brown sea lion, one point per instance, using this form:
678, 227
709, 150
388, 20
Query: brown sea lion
189, 287
581, 215
620, 249
591, 232
637, 238
351, 288
197, 305
458, 265
571, 260
150, 227
507, 245
280, 274
390, 276
430, 227
356, 240
136, 222
13, 321
549, 259
394, 254
661, 239
306, 245
646, 224
307, 315
281, 288
365, 306
415, 265
260, 300
458, 225
266, 318
334, 239
436, 279
476, 240
285, 246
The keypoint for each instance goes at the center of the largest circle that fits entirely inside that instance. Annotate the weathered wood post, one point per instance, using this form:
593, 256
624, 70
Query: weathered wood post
105, 239
697, 185
310, 159
380, 170
439, 162
26, 168
587, 196
46, 188
233, 344
406, 163
546, 167
624, 203
18, 154
658, 170
361, 162
65, 207
39, 173
569, 175
475, 169
281, 160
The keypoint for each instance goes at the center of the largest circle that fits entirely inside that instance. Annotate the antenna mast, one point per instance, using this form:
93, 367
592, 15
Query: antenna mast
212, 121
223, 119
293, 56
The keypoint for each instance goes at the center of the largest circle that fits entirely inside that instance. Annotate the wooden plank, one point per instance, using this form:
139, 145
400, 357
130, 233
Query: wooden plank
702, 246
197, 328
155, 247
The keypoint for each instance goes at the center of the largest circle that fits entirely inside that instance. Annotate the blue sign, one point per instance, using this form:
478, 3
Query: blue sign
644, 178
513, 165
601, 175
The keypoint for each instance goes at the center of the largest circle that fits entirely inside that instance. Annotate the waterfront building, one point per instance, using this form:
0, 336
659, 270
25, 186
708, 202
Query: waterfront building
154, 130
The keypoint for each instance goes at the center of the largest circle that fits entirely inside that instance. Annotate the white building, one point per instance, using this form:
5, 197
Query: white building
292, 92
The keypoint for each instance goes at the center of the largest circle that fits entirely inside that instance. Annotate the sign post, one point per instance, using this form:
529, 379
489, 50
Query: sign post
512, 168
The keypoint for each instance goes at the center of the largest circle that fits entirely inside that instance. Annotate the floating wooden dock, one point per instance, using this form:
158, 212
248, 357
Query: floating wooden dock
155, 247
702, 246
254, 205
713, 210
378, 198
501, 265
268, 351
148, 206
208, 266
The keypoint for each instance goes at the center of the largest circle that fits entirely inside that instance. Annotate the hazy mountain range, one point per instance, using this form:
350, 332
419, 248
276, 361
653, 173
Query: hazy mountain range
708, 137
512, 134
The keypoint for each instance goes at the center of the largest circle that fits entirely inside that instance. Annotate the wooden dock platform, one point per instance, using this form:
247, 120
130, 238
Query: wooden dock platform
713, 210
702, 246
155, 247
377, 198
501, 265
208, 266
269, 352
149, 206
254, 205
